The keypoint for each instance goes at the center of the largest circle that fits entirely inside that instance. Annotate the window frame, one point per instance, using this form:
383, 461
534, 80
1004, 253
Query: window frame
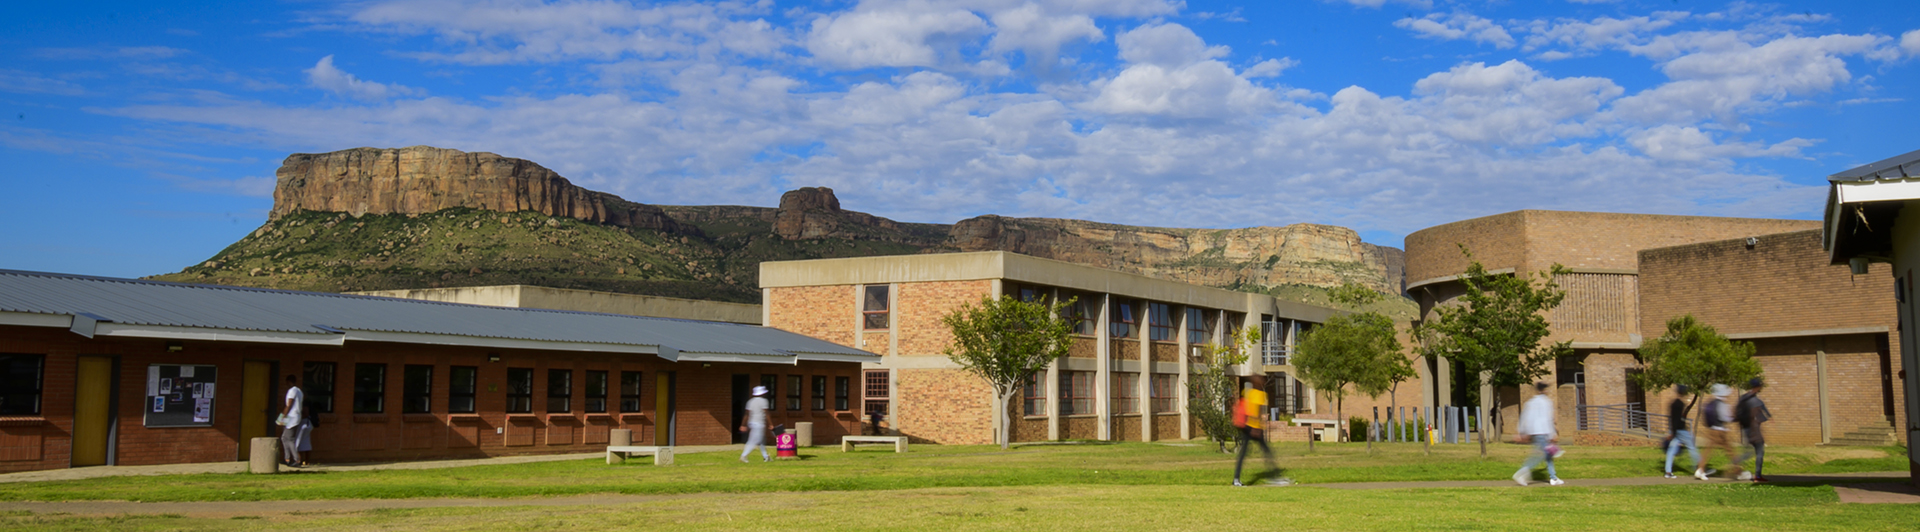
409, 394
1162, 395
38, 393
594, 403
1126, 392
1199, 326
520, 397
869, 315
794, 392
454, 393
819, 396
639, 389
1076, 393
842, 394
1033, 396
319, 399
772, 382
377, 393
876, 394
563, 393
1121, 320
1160, 322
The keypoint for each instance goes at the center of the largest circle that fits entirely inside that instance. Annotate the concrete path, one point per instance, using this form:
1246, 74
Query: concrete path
78, 473
1878, 476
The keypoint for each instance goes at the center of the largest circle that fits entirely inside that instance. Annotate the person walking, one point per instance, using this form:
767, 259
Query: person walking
1536, 422
1247, 419
1752, 412
756, 427
1678, 434
292, 423
307, 422
1718, 412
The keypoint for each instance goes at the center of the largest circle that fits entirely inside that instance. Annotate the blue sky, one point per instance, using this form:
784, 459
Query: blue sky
139, 139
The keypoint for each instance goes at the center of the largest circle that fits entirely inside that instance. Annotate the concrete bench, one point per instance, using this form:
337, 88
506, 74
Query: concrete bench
899, 442
619, 453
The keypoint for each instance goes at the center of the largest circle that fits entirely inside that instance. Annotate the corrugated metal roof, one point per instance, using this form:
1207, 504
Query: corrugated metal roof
1897, 167
153, 303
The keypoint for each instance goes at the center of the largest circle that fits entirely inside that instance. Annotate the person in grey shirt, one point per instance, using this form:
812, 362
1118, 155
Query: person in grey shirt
756, 427
1752, 412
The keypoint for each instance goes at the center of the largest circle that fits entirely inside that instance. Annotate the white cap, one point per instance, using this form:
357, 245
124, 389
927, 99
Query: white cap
759, 390
1721, 390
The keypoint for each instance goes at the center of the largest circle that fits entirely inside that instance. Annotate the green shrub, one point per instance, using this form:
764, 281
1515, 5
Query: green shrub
1358, 426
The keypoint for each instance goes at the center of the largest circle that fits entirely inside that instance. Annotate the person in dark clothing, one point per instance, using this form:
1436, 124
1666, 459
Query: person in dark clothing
1752, 412
1678, 434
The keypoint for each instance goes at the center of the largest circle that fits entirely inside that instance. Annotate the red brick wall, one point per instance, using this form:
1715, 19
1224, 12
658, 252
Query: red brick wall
702, 400
947, 406
1126, 427
824, 312
921, 305
1079, 428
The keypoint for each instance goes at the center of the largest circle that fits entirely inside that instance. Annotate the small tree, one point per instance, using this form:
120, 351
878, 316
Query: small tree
1696, 355
1214, 389
1352, 349
1495, 334
1006, 341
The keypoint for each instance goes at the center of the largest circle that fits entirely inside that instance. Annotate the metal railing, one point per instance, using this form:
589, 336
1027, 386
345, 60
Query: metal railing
1274, 354
1623, 418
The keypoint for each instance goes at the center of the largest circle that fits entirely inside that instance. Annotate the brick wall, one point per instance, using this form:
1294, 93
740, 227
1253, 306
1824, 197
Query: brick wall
1782, 284
702, 400
824, 312
921, 305
1079, 428
947, 406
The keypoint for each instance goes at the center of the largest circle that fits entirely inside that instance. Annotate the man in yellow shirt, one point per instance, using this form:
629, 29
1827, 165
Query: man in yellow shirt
1247, 414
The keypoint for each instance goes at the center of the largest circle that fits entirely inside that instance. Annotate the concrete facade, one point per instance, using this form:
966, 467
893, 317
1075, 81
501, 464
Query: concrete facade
525, 296
1107, 383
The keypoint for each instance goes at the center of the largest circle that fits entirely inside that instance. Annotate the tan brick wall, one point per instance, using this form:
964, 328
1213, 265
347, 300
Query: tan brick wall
1166, 427
1030, 429
1079, 428
1610, 241
921, 305
824, 312
1083, 347
1166, 352
1497, 241
1782, 284
1126, 427
1599, 306
1124, 350
947, 406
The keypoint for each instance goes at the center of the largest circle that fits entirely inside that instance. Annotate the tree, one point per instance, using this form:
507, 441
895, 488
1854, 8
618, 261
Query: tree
1352, 349
1006, 341
1214, 388
1495, 332
1696, 355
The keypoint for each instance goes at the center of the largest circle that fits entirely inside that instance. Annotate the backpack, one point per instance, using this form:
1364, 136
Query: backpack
1713, 413
1743, 411
1240, 413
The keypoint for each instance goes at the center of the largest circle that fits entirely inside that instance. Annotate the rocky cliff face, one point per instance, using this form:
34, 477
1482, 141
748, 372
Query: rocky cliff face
423, 179
1307, 254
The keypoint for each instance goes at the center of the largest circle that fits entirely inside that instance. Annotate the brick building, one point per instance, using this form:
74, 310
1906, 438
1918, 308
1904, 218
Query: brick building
1124, 378
97, 371
1824, 337
1868, 224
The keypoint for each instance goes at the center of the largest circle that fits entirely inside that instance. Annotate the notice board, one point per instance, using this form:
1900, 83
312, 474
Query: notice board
179, 395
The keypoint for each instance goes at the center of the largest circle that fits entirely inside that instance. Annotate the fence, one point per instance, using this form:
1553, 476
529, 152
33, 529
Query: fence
1623, 418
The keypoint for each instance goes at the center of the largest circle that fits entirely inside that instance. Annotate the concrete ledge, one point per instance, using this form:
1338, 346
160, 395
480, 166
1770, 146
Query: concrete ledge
899, 442
619, 453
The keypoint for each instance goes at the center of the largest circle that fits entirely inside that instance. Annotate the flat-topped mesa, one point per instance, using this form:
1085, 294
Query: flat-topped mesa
424, 179
814, 212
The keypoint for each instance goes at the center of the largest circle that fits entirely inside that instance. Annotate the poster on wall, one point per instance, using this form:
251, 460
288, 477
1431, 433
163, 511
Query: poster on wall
180, 395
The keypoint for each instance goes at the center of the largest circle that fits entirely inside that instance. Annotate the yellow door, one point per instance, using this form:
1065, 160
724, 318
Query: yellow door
256, 399
663, 408
92, 411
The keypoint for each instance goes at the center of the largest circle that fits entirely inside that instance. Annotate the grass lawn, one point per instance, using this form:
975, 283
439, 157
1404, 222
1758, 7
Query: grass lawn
928, 466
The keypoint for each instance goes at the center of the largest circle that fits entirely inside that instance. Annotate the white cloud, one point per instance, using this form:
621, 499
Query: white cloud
1422, 4
254, 186
520, 31
1690, 144
105, 52
1269, 68
1029, 29
1571, 38
1167, 45
29, 82
1719, 76
331, 79
894, 38
1910, 41
1456, 26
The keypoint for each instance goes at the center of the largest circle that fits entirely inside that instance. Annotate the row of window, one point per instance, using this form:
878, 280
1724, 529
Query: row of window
1124, 319
417, 381
20, 378
1076, 393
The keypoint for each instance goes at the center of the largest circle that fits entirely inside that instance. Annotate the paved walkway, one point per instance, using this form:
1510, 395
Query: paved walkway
241, 467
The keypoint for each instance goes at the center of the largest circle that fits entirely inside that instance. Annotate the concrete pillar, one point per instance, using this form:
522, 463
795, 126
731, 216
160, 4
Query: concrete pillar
1820, 371
265, 456
803, 433
1103, 362
620, 437
1143, 382
1052, 385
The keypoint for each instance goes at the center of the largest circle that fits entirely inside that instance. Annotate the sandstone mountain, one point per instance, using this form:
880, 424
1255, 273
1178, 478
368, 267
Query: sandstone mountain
368, 219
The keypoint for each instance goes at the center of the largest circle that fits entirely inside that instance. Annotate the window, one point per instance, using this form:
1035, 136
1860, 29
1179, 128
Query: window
1199, 327
772, 382
1274, 340
873, 310
559, 391
630, 391
819, 392
416, 389
793, 392
1076, 392
1126, 393
1081, 312
369, 388
842, 393
519, 390
317, 383
1121, 321
20, 380
596, 392
1028, 293
462, 382
878, 391
1160, 322
1035, 394
1164, 392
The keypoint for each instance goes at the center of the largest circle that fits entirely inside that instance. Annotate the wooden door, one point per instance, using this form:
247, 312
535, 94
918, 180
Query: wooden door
663, 408
256, 404
92, 411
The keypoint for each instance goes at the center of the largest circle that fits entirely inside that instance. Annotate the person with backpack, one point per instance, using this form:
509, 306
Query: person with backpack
1751, 413
1246, 419
1718, 413
1677, 433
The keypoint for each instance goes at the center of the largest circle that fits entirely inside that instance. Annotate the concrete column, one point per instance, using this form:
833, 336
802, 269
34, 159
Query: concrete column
999, 416
264, 457
1826, 413
1051, 383
1143, 389
893, 401
859, 306
1103, 361
803, 433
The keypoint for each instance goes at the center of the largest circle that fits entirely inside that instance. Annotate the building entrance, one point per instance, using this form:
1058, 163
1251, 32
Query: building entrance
93, 412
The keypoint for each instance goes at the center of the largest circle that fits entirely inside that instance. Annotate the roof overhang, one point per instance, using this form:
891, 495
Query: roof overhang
1860, 216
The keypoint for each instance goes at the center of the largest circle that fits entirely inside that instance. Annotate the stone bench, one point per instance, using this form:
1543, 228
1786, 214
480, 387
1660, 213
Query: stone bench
899, 442
619, 453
